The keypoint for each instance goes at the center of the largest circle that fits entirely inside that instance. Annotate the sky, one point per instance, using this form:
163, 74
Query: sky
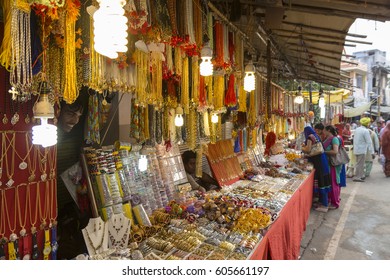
377, 32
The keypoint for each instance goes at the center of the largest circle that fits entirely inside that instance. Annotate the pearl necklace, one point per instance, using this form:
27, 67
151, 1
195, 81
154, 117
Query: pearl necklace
21, 70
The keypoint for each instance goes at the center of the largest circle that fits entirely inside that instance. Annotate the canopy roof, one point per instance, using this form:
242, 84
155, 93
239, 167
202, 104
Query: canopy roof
307, 37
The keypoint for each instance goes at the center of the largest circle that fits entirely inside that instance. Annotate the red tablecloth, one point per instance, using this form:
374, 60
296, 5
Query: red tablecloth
283, 239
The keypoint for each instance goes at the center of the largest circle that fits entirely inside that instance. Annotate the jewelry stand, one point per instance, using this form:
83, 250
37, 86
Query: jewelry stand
96, 236
118, 231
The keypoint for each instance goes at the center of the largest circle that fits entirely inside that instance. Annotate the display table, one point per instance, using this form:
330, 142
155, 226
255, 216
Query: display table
283, 239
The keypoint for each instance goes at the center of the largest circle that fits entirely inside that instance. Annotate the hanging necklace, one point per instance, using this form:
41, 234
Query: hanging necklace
22, 221
52, 158
12, 228
35, 253
43, 163
10, 169
21, 70
3, 240
4, 151
23, 165
32, 166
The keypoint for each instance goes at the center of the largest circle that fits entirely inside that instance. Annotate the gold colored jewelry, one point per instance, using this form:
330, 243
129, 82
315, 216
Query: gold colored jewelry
12, 229
53, 203
4, 152
70, 86
219, 92
195, 80
2, 212
23, 165
10, 169
22, 222
32, 165
52, 158
30, 210
43, 163
185, 87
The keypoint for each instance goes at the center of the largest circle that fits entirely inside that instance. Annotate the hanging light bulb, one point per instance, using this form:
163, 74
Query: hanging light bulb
44, 134
299, 98
214, 118
179, 121
321, 101
206, 67
250, 78
142, 163
110, 28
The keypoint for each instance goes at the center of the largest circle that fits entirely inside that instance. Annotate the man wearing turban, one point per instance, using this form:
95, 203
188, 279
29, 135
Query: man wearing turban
362, 144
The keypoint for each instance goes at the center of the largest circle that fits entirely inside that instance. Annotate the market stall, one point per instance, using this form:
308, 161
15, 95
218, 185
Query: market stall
187, 78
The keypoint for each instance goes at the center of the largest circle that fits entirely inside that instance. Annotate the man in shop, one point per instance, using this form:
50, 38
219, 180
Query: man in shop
206, 182
70, 115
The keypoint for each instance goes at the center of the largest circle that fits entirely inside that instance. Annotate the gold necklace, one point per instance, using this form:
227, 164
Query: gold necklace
2, 212
32, 166
43, 163
22, 222
10, 170
52, 157
13, 236
4, 151
53, 206
33, 222
23, 165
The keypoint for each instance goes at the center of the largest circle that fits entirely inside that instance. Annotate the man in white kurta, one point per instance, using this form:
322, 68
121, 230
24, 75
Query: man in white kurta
362, 144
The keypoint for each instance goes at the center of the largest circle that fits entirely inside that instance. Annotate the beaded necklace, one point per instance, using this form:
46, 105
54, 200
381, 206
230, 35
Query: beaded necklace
70, 85
185, 93
21, 70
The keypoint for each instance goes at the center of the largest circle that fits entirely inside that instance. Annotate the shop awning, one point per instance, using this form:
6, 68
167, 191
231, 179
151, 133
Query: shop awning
358, 111
335, 95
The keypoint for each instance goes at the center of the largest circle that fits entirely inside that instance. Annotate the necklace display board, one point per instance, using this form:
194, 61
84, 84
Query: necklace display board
118, 231
96, 236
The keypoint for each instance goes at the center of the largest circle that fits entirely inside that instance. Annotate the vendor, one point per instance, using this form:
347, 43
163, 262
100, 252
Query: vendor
206, 182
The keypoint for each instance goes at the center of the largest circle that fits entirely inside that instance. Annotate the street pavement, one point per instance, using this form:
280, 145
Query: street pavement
359, 229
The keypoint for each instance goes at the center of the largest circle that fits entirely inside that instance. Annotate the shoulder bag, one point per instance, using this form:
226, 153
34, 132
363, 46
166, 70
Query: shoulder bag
340, 158
316, 149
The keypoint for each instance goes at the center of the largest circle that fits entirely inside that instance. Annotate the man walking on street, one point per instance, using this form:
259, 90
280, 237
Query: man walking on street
362, 144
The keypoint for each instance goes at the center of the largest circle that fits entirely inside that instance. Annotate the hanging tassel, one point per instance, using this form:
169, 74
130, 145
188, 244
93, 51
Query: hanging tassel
202, 92
230, 97
93, 119
237, 147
